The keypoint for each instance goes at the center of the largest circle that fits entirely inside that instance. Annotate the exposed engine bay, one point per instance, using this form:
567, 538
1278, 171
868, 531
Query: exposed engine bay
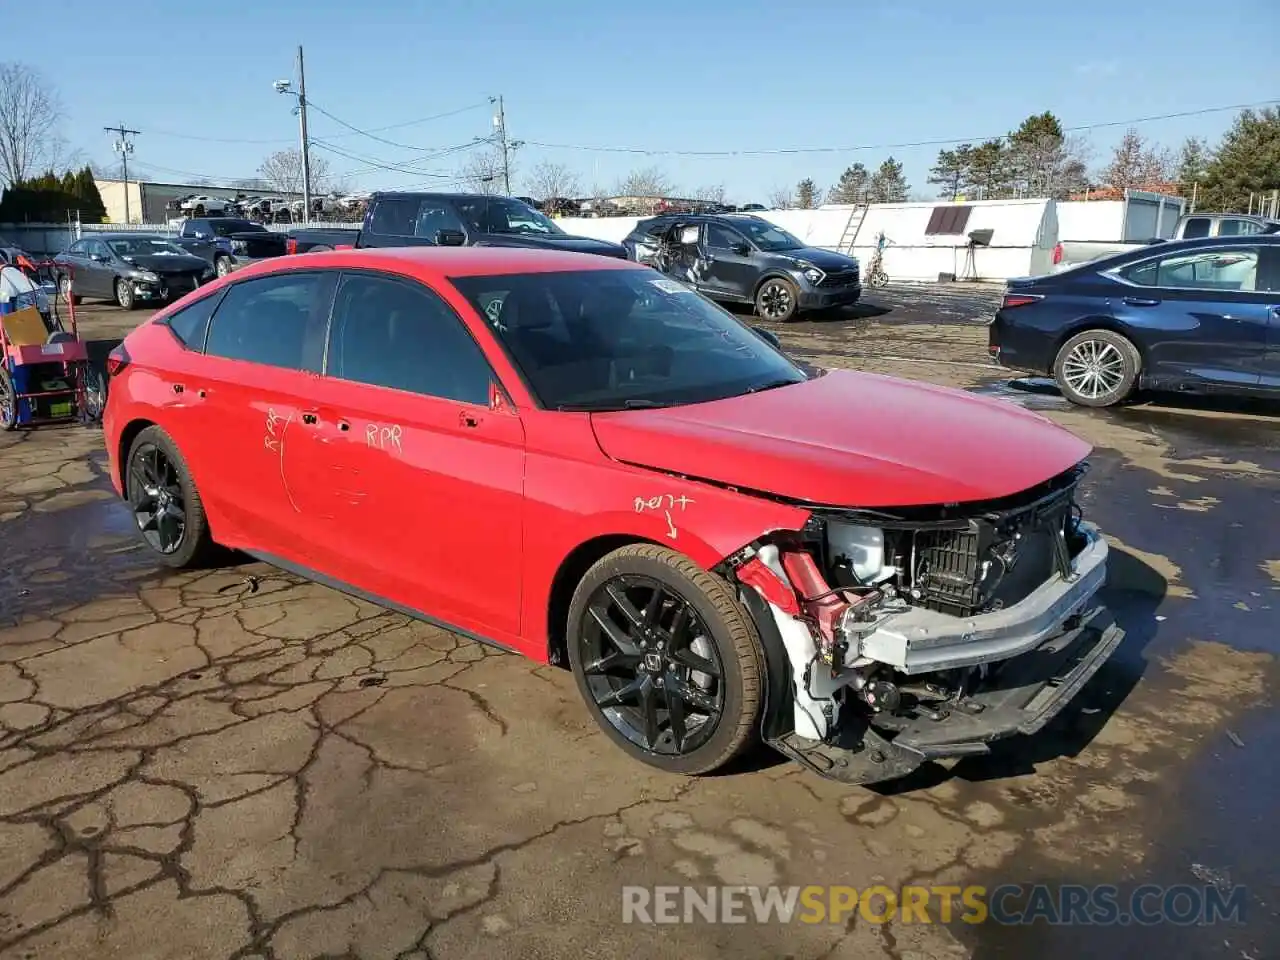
900, 621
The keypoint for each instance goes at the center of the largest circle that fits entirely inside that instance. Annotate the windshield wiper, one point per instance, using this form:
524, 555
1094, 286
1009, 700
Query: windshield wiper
608, 406
773, 385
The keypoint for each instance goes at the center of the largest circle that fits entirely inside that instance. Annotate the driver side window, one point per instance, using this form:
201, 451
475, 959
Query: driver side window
720, 237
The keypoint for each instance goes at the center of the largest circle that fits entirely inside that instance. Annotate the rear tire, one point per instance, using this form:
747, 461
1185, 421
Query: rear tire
154, 456
64, 291
1097, 368
8, 401
643, 670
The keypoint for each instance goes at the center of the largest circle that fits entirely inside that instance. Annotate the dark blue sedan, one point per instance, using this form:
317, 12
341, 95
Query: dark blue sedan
1197, 315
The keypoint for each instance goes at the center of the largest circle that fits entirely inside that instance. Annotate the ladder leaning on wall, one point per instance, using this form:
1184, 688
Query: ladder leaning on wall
847, 239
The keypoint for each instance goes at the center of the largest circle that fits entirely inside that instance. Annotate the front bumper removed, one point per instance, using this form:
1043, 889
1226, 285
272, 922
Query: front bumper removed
1018, 697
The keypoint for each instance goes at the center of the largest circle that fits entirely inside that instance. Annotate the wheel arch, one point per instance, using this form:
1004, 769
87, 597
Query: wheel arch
772, 273
128, 434
565, 581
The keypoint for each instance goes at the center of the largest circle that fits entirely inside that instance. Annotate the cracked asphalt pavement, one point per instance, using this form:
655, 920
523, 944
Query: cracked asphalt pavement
237, 764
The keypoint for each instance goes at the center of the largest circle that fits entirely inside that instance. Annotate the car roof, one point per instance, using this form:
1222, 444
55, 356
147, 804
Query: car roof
123, 235
419, 194
431, 262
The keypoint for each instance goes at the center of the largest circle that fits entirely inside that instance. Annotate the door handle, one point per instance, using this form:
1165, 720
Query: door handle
179, 388
344, 426
1275, 312
466, 419
310, 418
1141, 302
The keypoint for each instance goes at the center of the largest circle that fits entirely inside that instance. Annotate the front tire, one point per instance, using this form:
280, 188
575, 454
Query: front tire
124, 295
1097, 368
166, 506
669, 663
222, 266
777, 300
64, 291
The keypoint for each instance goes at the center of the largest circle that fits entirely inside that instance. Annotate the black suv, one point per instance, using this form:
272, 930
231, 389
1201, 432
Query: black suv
746, 259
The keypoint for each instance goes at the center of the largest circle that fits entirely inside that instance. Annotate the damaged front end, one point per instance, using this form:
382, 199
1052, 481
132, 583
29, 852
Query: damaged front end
928, 633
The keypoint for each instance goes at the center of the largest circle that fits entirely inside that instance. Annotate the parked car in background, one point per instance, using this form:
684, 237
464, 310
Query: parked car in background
449, 220
1071, 253
129, 268
752, 208
229, 243
539, 419
746, 259
205, 206
1198, 315
10, 252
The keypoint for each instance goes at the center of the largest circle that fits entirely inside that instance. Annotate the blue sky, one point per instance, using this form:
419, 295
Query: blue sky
715, 75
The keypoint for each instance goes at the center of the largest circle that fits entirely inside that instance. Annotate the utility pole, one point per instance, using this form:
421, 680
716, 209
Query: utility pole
500, 123
124, 147
306, 148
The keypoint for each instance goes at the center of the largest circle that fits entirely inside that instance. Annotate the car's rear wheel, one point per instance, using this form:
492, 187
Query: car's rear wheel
669, 663
777, 300
124, 295
8, 401
166, 505
1097, 368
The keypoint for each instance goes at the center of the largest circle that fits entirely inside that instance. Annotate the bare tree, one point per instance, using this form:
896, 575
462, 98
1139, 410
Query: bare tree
781, 198
712, 193
645, 182
30, 112
553, 181
282, 172
482, 172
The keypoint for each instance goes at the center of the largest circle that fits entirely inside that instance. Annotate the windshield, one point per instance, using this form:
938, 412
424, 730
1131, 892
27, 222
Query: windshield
613, 339
505, 215
224, 228
144, 247
765, 235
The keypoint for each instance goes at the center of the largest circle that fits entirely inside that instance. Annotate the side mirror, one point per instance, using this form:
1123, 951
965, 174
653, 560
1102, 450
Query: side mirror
689, 235
768, 336
451, 238
741, 248
98, 257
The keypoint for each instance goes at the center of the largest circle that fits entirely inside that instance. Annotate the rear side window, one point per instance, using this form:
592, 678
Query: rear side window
1229, 270
1196, 227
191, 323
396, 217
277, 321
396, 334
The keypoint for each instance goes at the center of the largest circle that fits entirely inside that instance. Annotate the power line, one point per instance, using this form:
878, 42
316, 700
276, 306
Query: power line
353, 131
408, 166
782, 151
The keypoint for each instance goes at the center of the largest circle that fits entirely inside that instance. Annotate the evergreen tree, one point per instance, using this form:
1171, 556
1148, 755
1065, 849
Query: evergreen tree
989, 171
888, 185
807, 194
951, 171
852, 186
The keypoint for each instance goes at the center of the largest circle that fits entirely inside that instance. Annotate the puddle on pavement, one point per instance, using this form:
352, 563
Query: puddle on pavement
1034, 393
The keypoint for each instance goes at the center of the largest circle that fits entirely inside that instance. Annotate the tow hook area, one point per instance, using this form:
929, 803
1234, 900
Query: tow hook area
857, 719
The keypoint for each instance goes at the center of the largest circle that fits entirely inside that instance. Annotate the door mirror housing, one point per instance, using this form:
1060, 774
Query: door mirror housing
768, 336
451, 238
742, 248
98, 257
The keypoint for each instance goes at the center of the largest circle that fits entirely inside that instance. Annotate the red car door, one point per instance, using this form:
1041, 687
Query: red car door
419, 477
263, 352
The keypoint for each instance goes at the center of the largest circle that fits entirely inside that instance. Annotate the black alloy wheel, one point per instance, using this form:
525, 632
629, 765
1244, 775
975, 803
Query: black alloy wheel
157, 498
649, 666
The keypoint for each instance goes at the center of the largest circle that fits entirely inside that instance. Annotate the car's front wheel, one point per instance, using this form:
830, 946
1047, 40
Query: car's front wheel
777, 300
669, 663
165, 503
64, 291
124, 295
222, 266
1097, 368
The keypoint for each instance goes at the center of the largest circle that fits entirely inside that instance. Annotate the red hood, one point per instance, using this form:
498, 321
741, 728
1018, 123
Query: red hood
850, 439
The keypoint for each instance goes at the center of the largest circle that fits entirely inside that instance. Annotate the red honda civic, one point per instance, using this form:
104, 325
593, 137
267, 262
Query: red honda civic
580, 460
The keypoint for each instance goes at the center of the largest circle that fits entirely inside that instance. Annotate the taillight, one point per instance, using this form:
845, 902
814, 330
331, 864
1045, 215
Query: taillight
291, 247
117, 360
1057, 253
1019, 300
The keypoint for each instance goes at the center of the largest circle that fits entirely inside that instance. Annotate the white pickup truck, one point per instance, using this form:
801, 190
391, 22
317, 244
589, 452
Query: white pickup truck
1072, 253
